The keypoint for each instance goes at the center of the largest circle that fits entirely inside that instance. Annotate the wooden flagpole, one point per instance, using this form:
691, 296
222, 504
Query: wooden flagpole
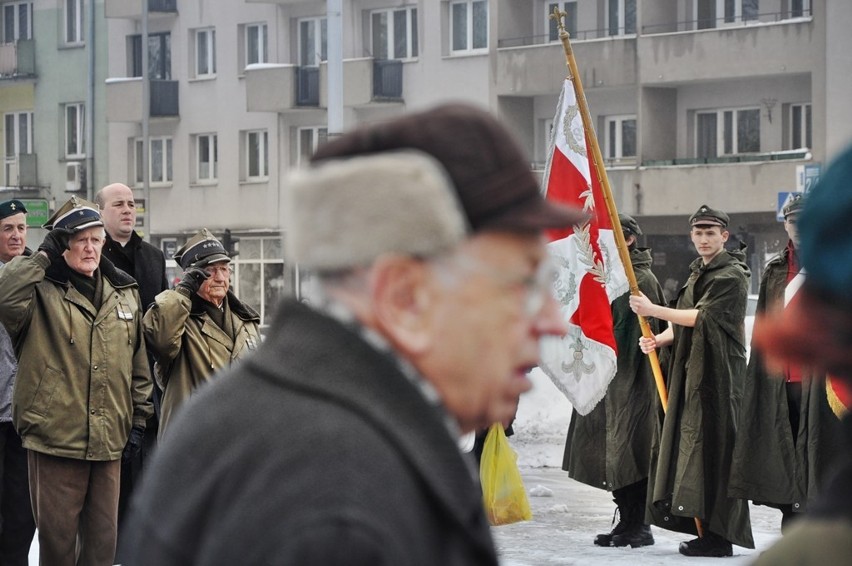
621, 244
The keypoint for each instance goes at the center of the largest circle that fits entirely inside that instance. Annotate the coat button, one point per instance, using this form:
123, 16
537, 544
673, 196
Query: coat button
92, 411
795, 505
95, 366
680, 508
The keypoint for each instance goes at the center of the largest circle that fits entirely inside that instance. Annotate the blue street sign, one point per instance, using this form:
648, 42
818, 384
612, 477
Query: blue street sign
783, 199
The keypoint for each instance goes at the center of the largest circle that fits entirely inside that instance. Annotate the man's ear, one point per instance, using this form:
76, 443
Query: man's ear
401, 300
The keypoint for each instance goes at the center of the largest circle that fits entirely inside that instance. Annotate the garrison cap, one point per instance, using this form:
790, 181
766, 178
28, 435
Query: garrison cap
629, 224
200, 250
795, 203
709, 216
75, 215
11, 207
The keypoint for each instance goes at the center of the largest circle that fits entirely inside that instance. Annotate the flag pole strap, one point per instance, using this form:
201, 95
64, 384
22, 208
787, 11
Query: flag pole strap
574, 76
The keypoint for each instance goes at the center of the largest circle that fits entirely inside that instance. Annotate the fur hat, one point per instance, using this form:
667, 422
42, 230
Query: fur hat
345, 213
489, 171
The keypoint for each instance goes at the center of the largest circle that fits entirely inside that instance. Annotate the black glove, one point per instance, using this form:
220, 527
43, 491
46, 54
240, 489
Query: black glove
134, 443
55, 243
192, 279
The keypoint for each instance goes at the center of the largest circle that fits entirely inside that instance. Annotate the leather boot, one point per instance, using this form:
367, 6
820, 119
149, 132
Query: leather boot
637, 532
710, 544
605, 539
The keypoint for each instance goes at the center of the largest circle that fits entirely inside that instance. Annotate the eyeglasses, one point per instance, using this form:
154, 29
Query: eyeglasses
537, 286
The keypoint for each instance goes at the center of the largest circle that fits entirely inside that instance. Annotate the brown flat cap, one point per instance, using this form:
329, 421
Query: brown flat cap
489, 171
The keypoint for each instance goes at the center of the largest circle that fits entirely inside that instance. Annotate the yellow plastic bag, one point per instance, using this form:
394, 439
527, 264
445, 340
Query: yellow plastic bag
503, 491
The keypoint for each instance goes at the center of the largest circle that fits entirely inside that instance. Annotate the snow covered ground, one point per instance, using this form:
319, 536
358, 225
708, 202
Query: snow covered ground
568, 514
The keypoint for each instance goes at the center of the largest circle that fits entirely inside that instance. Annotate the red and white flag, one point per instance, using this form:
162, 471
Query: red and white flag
590, 273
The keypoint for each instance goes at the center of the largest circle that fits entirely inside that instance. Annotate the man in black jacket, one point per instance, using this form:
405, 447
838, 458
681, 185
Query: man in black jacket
145, 263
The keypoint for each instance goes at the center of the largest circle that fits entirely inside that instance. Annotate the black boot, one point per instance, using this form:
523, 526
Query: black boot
710, 544
605, 539
637, 532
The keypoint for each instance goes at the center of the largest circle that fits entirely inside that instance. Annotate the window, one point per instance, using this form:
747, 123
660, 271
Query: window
313, 41
394, 33
620, 137
75, 139
256, 42
159, 160
469, 25
18, 127
206, 150
799, 8
17, 21
621, 16
159, 56
570, 21
256, 155
727, 132
260, 279
73, 14
307, 142
800, 126
205, 53
715, 13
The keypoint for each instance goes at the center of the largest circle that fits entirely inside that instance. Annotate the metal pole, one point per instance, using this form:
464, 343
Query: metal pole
90, 102
146, 112
334, 23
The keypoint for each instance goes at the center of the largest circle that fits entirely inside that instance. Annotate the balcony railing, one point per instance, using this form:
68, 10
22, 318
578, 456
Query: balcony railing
164, 99
723, 23
387, 79
307, 86
545, 38
742, 158
17, 59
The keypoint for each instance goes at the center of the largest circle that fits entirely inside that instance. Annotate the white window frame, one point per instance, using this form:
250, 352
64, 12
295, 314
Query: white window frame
316, 135
570, 21
805, 9
210, 154
723, 19
262, 157
165, 175
15, 9
75, 136
319, 49
622, 17
72, 19
720, 129
412, 41
204, 42
266, 258
805, 120
261, 53
12, 136
615, 147
469, 25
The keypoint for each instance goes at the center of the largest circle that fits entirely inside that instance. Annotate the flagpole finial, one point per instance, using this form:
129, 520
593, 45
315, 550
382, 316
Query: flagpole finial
558, 16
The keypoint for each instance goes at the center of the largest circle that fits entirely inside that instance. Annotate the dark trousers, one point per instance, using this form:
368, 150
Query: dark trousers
75, 503
17, 525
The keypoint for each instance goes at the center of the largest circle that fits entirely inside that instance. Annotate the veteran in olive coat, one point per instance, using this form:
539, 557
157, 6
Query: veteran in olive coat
83, 389
198, 327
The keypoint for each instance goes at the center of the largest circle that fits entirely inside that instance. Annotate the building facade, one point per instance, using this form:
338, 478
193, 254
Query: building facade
724, 102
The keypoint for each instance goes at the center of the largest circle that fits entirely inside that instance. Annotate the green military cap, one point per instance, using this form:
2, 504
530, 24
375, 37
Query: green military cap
11, 207
629, 224
200, 250
75, 215
709, 217
795, 203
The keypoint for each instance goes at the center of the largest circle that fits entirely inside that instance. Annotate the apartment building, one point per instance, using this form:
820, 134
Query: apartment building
727, 102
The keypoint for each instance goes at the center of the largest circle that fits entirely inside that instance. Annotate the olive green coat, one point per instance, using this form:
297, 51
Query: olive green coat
692, 449
610, 447
769, 467
83, 377
189, 346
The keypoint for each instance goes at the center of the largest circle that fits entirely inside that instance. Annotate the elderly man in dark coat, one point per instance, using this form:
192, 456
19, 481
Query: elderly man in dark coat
336, 443
610, 447
691, 452
788, 434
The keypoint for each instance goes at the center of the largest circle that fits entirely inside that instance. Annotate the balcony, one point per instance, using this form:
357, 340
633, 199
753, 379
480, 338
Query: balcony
20, 171
271, 88
368, 81
132, 9
539, 69
17, 60
124, 100
709, 54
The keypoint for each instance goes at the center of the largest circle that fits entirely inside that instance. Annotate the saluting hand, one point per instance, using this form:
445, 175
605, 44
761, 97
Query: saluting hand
193, 278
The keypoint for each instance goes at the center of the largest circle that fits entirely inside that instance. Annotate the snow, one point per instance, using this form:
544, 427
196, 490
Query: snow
568, 514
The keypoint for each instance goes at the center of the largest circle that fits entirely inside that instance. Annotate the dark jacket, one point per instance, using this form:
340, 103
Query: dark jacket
609, 448
315, 450
147, 266
83, 376
692, 450
769, 466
